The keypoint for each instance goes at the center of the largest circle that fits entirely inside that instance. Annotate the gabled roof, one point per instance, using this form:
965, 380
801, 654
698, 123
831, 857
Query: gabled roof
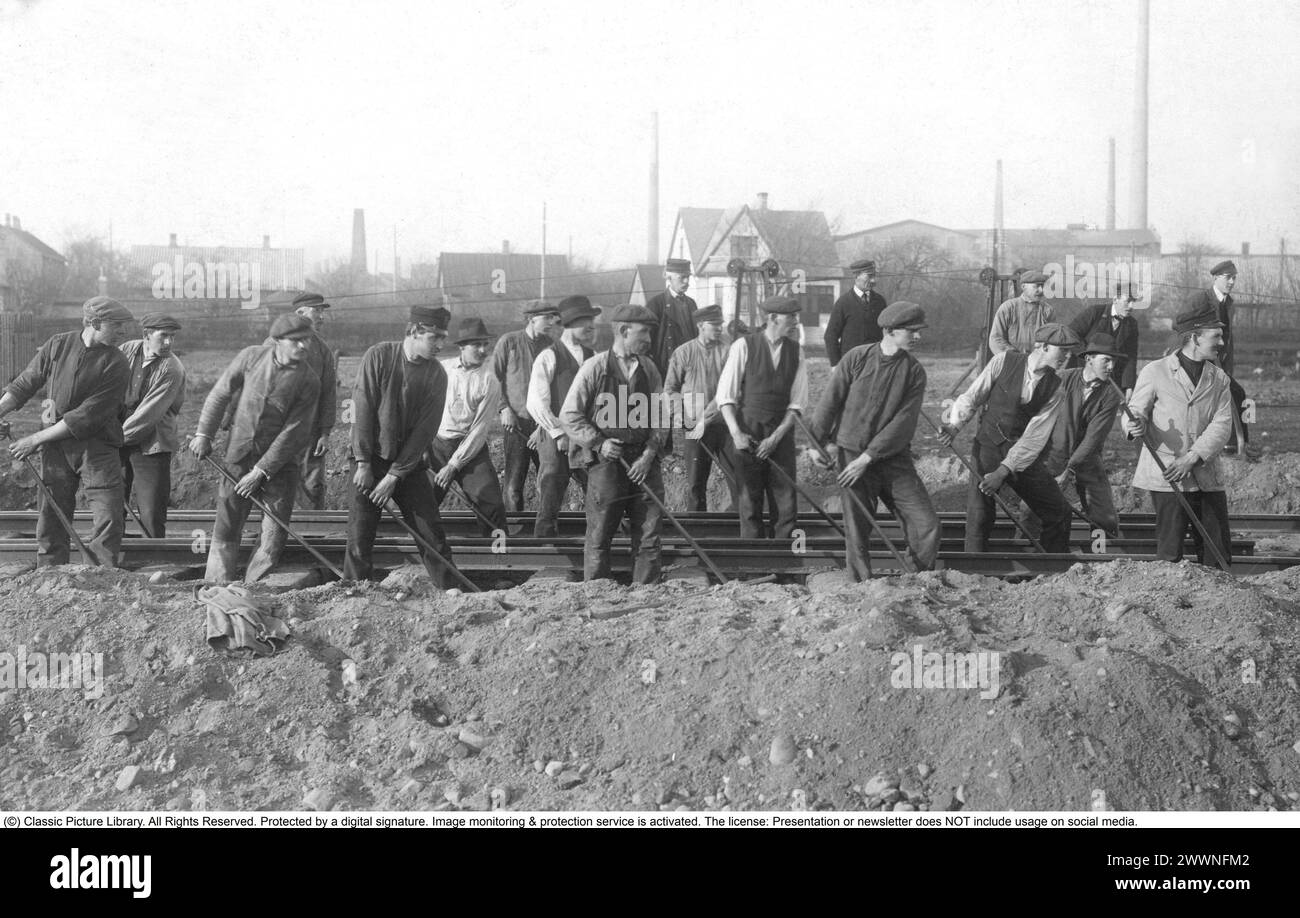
698, 224
30, 240
798, 239
277, 268
886, 228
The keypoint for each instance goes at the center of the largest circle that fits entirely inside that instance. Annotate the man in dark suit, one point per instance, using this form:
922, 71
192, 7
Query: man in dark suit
854, 317
1115, 320
1219, 300
675, 313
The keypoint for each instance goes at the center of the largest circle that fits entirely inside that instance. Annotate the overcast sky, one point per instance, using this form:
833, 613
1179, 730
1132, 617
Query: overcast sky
224, 121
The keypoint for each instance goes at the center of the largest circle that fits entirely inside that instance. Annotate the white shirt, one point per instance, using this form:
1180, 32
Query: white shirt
1025, 450
733, 374
472, 396
539, 387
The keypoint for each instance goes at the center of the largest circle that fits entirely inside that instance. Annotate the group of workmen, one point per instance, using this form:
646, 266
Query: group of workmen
606, 420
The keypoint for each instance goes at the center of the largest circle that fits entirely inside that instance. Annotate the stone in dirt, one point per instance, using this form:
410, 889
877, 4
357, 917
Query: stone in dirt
127, 777
568, 780
880, 785
783, 750
319, 800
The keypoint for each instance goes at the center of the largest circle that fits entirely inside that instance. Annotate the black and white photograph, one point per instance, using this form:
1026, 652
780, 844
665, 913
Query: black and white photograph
694, 415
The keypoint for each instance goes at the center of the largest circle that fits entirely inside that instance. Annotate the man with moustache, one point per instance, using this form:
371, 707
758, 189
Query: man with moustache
609, 420
1115, 320
554, 371
1089, 405
870, 410
691, 386
272, 428
397, 407
154, 396
763, 384
1022, 400
855, 317
85, 378
1185, 400
459, 452
512, 364
674, 312
320, 359
1018, 320
1219, 299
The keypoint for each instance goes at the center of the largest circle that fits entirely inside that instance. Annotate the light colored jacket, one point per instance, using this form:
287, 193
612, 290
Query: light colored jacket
1015, 324
151, 424
1180, 420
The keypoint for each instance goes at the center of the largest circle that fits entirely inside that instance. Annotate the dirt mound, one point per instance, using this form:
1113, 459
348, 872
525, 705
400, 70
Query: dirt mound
1128, 685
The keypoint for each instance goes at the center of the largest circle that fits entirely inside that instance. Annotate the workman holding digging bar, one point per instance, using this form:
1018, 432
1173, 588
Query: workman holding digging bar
271, 432
870, 410
85, 377
397, 407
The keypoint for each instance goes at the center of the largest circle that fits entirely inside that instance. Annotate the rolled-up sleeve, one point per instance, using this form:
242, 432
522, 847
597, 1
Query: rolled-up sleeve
539, 394
733, 373
1025, 450
573, 415
976, 394
476, 438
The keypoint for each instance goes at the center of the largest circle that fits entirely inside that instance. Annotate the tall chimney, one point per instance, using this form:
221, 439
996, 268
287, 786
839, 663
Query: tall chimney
1110, 189
1138, 206
652, 227
266, 242
1245, 250
17, 223
760, 201
171, 241
998, 240
358, 263
505, 246
7, 218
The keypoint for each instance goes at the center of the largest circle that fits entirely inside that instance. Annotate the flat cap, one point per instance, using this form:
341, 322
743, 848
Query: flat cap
433, 316
902, 315
1197, 318
863, 264
1033, 277
541, 308
106, 308
1223, 267
678, 266
709, 314
291, 325
314, 300
160, 320
1101, 343
781, 305
631, 313
575, 308
1057, 334
468, 330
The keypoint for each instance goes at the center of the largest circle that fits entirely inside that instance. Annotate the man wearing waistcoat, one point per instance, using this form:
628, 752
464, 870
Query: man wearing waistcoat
764, 383
554, 371
512, 362
1022, 399
613, 415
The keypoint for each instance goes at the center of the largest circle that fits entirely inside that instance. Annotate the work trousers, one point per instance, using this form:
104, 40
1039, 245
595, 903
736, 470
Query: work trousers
150, 477
1095, 496
699, 463
518, 459
754, 478
414, 498
1172, 522
96, 466
277, 492
611, 495
478, 479
553, 476
1036, 487
312, 488
895, 482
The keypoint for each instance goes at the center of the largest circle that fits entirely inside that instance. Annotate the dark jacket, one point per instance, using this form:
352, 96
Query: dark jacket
676, 327
397, 407
850, 325
1205, 299
1082, 427
86, 384
872, 403
1096, 319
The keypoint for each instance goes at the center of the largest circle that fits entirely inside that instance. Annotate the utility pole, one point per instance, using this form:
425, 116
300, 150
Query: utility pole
542, 292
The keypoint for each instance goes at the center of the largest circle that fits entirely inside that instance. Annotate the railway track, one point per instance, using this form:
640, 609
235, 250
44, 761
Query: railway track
820, 549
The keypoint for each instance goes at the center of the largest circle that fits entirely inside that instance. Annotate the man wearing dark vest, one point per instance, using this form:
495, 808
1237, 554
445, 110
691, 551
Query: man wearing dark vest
855, 317
85, 377
1089, 405
674, 312
1115, 320
612, 417
554, 371
153, 401
763, 384
870, 410
1022, 399
512, 362
397, 407
692, 387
